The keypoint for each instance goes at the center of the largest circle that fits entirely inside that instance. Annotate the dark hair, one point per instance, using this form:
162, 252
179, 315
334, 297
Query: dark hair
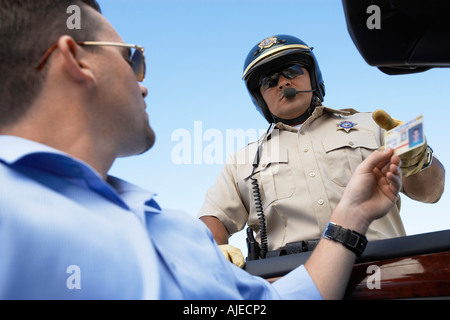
28, 28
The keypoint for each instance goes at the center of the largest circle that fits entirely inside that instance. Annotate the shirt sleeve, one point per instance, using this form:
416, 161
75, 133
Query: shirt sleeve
297, 285
223, 200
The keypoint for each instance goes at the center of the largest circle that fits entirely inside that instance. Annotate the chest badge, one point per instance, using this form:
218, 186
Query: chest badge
346, 125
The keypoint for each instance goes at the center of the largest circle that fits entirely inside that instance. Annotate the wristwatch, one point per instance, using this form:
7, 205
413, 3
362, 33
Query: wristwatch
352, 240
429, 160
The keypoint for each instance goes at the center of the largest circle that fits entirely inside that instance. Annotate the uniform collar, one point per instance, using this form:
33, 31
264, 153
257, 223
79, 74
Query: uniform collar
318, 112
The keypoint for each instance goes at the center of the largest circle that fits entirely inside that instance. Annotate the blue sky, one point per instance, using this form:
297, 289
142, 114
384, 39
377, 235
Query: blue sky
195, 52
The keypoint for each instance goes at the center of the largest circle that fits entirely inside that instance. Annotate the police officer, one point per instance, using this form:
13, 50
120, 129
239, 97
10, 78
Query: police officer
286, 185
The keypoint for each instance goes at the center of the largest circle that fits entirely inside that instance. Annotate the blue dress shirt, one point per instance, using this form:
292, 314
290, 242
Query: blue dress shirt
65, 233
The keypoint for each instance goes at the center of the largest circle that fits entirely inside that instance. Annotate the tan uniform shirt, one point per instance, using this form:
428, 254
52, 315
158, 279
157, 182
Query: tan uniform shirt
302, 175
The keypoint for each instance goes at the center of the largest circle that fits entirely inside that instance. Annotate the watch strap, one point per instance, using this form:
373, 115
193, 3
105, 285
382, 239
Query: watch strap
429, 158
352, 240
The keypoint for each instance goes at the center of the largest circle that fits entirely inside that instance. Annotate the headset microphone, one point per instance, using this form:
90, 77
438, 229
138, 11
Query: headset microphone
290, 93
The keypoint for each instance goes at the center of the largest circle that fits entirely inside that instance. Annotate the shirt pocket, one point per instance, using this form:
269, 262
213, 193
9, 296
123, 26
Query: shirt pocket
273, 176
345, 152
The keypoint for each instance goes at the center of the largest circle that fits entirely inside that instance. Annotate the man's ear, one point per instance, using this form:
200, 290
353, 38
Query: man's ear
73, 63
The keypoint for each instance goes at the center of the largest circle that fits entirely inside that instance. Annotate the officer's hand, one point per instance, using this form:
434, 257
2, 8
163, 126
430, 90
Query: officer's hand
232, 254
413, 160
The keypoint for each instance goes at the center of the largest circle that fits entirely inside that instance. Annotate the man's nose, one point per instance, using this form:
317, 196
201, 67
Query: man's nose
143, 90
283, 82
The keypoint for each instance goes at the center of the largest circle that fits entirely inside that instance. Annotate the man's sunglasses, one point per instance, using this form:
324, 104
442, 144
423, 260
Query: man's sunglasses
136, 60
289, 72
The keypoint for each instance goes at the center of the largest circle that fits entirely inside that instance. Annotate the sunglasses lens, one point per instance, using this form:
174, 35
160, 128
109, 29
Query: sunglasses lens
270, 81
289, 72
138, 64
293, 71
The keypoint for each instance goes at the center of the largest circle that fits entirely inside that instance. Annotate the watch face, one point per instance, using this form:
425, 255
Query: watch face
350, 239
329, 230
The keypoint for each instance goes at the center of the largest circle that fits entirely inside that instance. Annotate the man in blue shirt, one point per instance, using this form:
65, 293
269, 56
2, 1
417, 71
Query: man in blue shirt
71, 104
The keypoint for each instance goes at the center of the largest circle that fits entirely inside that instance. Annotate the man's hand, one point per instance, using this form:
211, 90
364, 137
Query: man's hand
384, 120
372, 190
413, 160
232, 254
370, 194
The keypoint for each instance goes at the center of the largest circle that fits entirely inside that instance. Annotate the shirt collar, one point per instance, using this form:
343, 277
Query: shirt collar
318, 112
133, 194
12, 148
19, 151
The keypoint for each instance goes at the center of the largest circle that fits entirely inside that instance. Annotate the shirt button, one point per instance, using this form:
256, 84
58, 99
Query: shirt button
312, 174
320, 201
351, 143
305, 150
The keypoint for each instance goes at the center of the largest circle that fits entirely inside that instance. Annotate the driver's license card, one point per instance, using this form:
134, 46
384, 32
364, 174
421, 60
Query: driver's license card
405, 137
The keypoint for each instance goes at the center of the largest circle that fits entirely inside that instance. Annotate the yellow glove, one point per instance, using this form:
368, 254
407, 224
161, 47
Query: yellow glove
413, 160
232, 254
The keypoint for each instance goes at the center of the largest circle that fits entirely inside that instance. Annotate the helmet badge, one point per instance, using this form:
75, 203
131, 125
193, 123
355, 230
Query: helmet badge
267, 43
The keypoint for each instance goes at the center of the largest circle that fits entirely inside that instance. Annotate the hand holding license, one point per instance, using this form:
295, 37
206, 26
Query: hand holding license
405, 137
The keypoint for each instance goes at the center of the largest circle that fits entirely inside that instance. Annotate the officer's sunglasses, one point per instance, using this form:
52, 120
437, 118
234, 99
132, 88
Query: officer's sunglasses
136, 56
289, 72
